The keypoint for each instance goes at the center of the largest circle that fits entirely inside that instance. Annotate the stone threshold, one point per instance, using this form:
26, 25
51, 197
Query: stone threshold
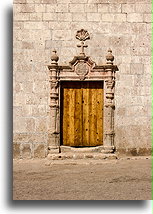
77, 155
98, 149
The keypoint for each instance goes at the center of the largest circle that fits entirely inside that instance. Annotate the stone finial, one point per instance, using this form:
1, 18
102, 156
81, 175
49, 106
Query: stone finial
54, 57
109, 57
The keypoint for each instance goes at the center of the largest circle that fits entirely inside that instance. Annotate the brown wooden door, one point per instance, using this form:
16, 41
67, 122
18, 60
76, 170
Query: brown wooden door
82, 113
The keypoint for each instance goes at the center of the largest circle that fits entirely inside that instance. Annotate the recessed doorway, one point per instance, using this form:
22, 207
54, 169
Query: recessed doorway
82, 113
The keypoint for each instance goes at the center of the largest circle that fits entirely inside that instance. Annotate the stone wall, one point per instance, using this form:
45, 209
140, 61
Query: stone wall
122, 25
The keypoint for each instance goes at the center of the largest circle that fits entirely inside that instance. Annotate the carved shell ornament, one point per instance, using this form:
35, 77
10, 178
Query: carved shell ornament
82, 35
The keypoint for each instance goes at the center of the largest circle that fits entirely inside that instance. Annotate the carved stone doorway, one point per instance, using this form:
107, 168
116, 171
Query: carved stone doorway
82, 113
82, 70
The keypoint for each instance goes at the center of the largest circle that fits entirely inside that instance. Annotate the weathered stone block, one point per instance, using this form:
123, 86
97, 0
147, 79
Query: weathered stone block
93, 17
147, 17
115, 8
30, 137
17, 8
90, 8
48, 1
33, 1
30, 125
61, 35
21, 16
128, 8
18, 87
41, 8
103, 8
78, 1
40, 87
17, 111
75, 8
26, 110
50, 8
79, 17
137, 68
134, 17
49, 16
134, 151
19, 99
62, 8
27, 8
64, 17
59, 26
108, 17
39, 110
27, 45
39, 151
41, 125
36, 16
17, 25
138, 28
19, 1
26, 151
120, 18
99, 1
143, 8
16, 150
28, 87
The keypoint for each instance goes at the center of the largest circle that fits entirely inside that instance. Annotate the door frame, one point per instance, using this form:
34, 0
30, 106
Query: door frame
81, 68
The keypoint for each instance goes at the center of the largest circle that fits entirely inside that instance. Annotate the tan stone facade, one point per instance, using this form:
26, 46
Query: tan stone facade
42, 25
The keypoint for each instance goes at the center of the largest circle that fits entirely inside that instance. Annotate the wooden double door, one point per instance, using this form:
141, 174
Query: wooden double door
82, 113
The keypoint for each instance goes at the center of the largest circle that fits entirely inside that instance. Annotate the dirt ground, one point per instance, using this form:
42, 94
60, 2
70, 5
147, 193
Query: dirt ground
123, 179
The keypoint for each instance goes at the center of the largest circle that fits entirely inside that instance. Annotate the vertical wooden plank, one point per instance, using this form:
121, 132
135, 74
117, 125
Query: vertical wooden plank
85, 114
65, 113
71, 115
94, 114
99, 107
78, 116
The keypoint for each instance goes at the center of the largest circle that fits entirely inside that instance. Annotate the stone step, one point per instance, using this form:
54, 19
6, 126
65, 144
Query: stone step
74, 156
99, 149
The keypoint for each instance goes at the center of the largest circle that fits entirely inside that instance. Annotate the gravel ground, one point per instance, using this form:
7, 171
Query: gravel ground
123, 179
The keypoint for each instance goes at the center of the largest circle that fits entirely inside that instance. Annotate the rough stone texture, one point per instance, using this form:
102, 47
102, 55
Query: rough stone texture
41, 25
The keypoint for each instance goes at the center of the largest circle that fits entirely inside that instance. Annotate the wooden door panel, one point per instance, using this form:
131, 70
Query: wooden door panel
82, 113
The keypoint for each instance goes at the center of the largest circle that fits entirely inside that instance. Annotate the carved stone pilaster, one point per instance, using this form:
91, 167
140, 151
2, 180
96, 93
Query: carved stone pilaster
109, 101
53, 135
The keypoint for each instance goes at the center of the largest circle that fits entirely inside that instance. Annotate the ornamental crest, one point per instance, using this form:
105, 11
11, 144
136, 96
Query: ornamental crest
81, 69
82, 35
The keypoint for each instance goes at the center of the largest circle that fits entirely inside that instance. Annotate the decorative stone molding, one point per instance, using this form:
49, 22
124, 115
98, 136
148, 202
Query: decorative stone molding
81, 68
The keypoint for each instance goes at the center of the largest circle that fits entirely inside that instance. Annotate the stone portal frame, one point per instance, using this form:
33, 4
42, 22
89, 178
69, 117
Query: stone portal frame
82, 68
